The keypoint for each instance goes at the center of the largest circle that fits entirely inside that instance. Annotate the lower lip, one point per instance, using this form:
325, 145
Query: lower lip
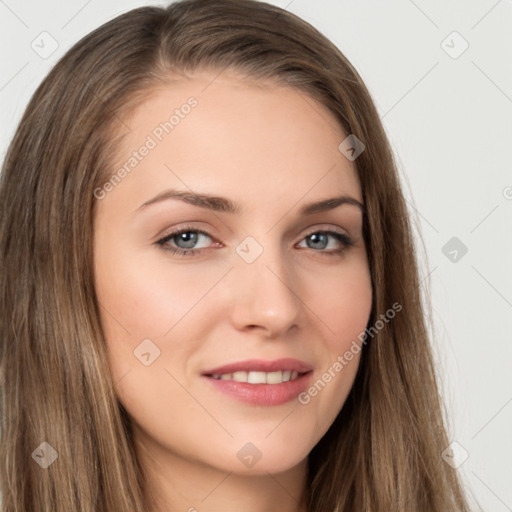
263, 394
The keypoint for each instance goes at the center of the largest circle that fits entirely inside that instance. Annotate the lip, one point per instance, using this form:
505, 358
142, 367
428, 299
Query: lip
262, 394
261, 365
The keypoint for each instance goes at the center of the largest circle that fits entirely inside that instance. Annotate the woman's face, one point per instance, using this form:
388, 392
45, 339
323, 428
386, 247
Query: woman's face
269, 284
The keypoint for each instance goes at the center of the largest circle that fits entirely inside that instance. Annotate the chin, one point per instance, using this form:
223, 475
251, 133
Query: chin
260, 456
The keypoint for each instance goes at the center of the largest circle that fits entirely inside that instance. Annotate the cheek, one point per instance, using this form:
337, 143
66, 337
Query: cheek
342, 302
147, 296
144, 296
344, 307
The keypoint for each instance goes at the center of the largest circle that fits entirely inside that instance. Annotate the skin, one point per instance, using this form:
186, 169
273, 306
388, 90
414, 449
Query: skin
270, 149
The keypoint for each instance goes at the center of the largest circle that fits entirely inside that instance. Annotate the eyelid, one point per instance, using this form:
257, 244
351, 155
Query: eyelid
184, 229
325, 227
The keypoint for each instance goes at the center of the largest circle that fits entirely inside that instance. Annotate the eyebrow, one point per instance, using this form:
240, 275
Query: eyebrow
222, 204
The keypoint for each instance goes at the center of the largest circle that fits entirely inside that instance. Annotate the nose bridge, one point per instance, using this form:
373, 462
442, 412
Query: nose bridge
264, 292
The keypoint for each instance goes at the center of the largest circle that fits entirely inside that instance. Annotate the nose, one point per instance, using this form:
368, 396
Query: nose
264, 295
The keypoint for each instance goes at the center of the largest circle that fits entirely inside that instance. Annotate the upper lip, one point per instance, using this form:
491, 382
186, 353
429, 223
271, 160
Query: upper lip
260, 365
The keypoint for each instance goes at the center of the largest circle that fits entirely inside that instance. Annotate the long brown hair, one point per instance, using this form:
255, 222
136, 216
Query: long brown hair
382, 453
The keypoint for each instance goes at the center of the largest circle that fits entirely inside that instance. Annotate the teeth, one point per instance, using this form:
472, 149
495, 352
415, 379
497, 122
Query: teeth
259, 377
239, 376
274, 377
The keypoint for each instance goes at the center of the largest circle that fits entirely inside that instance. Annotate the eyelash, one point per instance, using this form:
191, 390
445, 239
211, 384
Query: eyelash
345, 240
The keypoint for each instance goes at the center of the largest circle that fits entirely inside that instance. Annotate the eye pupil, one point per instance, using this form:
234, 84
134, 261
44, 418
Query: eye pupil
315, 237
189, 238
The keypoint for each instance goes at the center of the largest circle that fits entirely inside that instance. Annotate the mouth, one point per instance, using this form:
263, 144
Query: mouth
277, 377
259, 382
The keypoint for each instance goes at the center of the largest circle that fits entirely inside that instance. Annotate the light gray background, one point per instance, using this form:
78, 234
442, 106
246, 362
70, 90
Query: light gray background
449, 118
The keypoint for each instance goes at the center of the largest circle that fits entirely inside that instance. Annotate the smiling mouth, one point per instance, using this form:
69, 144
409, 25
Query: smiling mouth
261, 383
253, 377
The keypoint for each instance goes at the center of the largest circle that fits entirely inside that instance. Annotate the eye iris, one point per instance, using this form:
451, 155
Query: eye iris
317, 237
188, 237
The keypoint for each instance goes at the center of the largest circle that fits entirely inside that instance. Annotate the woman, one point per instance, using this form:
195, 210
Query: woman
210, 297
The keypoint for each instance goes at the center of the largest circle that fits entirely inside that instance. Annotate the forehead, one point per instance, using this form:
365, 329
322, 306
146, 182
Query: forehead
211, 131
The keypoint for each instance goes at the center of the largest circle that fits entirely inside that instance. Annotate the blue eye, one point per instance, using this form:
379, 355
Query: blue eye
321, 240
183, 242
